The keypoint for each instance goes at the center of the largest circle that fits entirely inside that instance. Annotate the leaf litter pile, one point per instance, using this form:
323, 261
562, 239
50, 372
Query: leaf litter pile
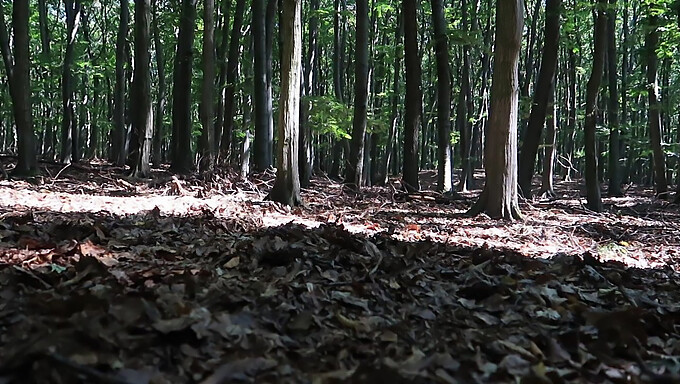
152, 287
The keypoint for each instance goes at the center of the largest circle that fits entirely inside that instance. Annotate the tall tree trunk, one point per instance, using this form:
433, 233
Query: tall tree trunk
70, 150
232, 72
286, 188
263, 112
45, 41
394, 100
162, 89
119, 133
306, 152
222, 32
182, 158
499, 196
539, 106
547, 187
613, 105
444, 97
207, 89
413, 108
654, 116
142, 116
355, 167
464, 110
17, 67
592, 89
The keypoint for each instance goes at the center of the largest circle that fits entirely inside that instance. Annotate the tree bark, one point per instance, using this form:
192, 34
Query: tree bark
263, 112
356, 164
142, 116
414, 100
286, 188
464, 110
654, 116
613, 105
547, 186
542, 90
119, 132
444, 169
232, 72
592, 89
394, 108
207, 89
162, 90
70, 149
182, 158
499, 196
18, 67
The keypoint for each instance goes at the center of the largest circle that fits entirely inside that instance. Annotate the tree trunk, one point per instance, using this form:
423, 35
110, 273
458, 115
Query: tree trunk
306, 153
542, 90
499, 196
394, 108
464, 110
286, 188
263, 112
613, 105
232, 72
18, 68
142, 116
444, 97
70, 150
355, 167
547, 187
592, 89
45, 41
655, 135
119, 132
182, 158
207, 89
413, 107
162, 90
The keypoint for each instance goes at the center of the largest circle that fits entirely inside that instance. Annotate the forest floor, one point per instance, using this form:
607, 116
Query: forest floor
106, 279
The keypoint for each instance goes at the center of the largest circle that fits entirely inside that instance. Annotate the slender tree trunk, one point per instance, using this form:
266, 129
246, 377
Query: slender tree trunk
654, 116
263, 112
306, 156
414, 100
142, 106
547, 187
119, 133
182, 157
207, 90
355, 167
232, 72
444, 97
499, 196
592, 89
286, 188
70, 150
222, 32
542, 90
18, 67
162, 89
464, 110
45, 41
613, 105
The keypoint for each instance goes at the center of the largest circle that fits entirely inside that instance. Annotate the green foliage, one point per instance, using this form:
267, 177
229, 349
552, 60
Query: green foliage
329, 116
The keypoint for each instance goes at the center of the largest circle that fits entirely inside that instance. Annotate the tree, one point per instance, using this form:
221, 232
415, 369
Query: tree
263, 106
654, 107
613, 104
286, 188
182, 158
355, 167
499, 196
207, 88
231, 76
119, 133
70, 150
162, 88
142, 115
593, 193
413, 101
444, 97
17, 67
542, 91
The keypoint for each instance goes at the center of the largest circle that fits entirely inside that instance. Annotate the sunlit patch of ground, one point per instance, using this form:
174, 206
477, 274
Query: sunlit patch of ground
637, 230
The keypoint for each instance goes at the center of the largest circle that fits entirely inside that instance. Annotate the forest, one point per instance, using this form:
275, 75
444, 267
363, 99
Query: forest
339, 191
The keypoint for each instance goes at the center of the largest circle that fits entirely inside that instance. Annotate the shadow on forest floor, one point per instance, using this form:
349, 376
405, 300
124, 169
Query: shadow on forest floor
194, 281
